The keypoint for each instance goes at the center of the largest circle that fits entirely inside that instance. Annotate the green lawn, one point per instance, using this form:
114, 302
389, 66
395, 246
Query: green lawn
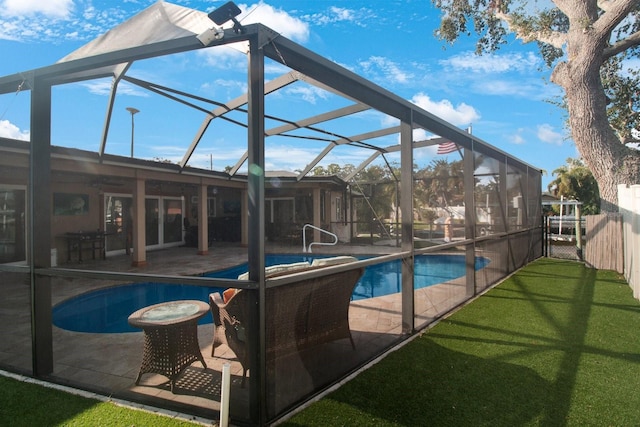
29, 405
557, 344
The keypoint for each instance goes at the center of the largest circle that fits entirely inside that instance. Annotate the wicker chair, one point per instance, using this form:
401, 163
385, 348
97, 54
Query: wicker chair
300, 315
227, 324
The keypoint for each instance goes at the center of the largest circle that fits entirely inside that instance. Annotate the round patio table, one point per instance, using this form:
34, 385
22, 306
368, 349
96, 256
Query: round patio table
170, 337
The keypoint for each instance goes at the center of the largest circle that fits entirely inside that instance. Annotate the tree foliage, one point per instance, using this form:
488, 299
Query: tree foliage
622, 89
588, 45
575, 181
438, 185
376, 183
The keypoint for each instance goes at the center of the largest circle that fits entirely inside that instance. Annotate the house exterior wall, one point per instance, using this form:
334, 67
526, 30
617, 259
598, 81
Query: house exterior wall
81, 186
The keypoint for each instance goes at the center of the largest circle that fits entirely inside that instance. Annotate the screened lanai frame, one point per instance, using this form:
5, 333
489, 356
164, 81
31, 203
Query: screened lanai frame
310, 67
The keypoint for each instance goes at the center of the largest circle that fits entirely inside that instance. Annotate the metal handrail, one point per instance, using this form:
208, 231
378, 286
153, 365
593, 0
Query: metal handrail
304, 238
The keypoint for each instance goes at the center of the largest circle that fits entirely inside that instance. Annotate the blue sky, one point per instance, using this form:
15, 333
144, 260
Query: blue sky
503, 97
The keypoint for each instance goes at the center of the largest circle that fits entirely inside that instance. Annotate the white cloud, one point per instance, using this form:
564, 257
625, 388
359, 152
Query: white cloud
230, 87
419, 135
103, 87
276, 19
8, 30
228, 57
60, 9
521, 88
171, 153
385, 120
383, 69
9, 130
515, 74
335, 14
546, 133
272, 67
517, 137
342, 14
287, 157
460, 115
57, 20
493, 63
308, 93
233, 56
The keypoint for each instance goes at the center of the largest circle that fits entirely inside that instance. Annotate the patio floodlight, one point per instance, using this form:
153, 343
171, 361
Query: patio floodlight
227, 12
133, 111
210, 35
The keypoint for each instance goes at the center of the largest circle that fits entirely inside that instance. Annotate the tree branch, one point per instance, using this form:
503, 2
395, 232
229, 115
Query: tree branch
605, 5
564, 6
622, 45
554, 38
615, 12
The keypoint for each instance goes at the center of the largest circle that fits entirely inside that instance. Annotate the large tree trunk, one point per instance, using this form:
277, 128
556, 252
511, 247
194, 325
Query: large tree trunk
610, 161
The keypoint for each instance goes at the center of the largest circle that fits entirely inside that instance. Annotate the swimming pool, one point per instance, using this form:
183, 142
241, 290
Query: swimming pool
380, 279
106, 310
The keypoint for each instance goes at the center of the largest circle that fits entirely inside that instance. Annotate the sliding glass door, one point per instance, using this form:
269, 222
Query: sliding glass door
163, 222
118, 222
172, 218
152, 221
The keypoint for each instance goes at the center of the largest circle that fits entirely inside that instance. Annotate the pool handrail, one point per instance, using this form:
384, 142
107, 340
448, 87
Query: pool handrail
304, 238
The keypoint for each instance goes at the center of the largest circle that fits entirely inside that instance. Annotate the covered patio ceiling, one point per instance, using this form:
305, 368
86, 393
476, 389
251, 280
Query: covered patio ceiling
165, 28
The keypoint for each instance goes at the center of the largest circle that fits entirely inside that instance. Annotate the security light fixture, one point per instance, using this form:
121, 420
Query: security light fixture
227, 12
210, 35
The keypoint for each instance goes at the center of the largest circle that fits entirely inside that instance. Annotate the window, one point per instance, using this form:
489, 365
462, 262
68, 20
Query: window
12, 224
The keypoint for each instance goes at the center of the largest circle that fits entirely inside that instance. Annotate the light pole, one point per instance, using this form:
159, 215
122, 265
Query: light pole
133, 111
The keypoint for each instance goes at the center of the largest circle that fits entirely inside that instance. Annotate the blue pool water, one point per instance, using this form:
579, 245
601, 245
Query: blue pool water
106, 310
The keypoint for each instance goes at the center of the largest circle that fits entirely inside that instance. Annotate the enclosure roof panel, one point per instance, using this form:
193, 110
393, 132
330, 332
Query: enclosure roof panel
165, 28
159, 22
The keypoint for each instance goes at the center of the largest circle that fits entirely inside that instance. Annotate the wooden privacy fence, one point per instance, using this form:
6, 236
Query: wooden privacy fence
604, 247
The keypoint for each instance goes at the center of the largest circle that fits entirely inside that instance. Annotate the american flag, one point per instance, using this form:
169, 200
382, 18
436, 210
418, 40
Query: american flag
447, 147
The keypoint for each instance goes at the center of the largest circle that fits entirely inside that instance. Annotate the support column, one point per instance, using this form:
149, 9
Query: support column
504, 202
507, 255
406, 211
203, 223
39, 253
258, 393
244, 218
139, 227
578, 233
469, 220
317, 222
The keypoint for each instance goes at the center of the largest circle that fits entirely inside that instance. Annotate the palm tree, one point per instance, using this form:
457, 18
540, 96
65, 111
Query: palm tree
575, 181
442, 183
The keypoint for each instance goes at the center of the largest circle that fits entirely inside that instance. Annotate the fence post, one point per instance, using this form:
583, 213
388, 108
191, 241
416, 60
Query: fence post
578, 233
547, 230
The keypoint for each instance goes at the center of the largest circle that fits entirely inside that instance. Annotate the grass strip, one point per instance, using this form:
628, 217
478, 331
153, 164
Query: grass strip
27, 404
555, 344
